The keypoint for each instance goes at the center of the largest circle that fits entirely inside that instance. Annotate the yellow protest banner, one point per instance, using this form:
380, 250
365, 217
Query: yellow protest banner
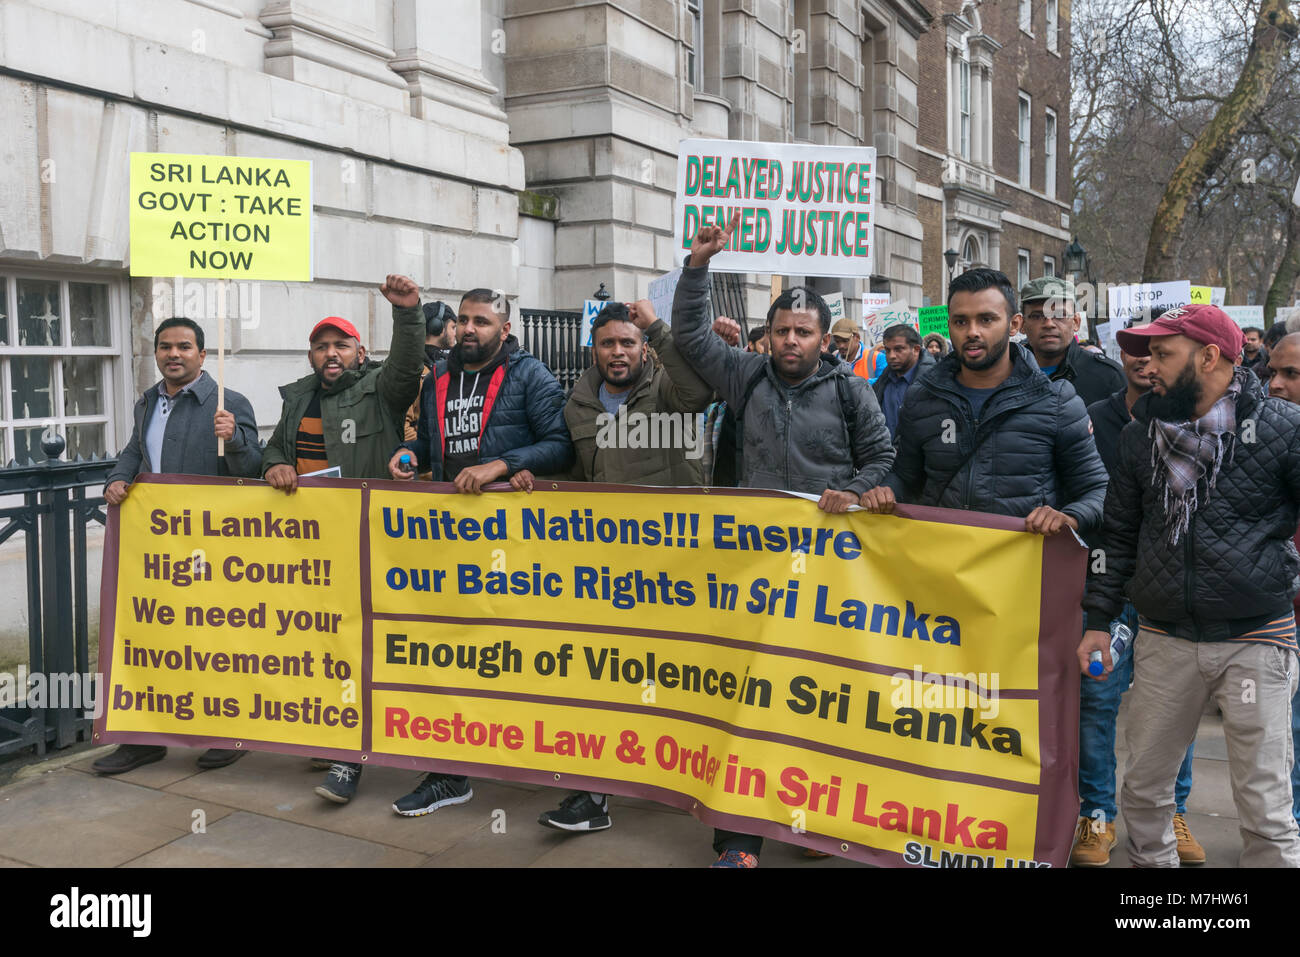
220, 217
897, 689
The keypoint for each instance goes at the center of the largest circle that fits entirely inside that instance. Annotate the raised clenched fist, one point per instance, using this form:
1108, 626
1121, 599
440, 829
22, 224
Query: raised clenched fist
401, 291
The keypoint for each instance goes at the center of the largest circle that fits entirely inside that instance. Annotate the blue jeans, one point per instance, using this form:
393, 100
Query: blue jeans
1098, 709
1295, 767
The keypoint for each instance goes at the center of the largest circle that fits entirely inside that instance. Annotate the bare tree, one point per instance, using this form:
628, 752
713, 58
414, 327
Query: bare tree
1274, 31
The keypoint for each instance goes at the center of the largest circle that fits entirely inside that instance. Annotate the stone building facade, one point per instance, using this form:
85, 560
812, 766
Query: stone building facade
994, 106
523, 145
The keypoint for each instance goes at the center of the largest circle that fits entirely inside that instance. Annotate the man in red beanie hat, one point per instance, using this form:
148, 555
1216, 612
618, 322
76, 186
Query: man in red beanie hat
1199, 515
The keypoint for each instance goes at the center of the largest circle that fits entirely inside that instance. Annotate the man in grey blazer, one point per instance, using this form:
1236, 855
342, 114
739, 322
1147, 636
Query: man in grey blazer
177, 424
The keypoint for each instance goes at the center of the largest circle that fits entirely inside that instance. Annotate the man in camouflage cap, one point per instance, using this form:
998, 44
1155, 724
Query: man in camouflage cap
1051, 321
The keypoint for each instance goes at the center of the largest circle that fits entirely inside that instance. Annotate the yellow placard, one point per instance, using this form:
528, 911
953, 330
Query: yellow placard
220, 217
898, 689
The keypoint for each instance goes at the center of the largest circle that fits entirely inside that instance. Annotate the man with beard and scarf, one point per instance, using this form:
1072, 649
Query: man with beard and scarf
1099, 700
490, 412
348, 413
1199, 519
985, 430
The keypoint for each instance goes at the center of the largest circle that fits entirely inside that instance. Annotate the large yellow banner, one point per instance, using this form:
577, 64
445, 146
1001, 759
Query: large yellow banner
220, 217
897, 689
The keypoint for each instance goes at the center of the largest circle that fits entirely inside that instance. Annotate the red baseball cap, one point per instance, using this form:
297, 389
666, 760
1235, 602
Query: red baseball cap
334, 322
1208, 325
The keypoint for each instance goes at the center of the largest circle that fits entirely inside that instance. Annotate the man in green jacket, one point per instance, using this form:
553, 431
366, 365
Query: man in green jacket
632, 416
348, 414
635, 423
350, 411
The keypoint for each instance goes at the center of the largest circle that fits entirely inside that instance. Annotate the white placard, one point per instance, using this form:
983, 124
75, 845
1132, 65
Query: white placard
589, 309
1245, 316
874, 326
1129, 303
835, 302
805, 210
661, 293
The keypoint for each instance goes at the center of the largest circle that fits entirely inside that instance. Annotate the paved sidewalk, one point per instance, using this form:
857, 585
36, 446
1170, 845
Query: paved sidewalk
262, 812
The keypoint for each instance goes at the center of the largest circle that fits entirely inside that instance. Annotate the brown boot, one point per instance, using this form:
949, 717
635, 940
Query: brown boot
1189, 848
1092, 846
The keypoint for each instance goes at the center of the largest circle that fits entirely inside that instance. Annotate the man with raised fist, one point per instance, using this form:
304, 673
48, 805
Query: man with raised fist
804, 421
348, 413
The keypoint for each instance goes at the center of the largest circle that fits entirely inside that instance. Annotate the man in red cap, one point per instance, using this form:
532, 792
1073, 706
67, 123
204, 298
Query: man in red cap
1200, 511
348, 414
342, 414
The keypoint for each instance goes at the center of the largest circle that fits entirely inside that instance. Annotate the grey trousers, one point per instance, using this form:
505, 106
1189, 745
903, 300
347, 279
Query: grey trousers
1252, 683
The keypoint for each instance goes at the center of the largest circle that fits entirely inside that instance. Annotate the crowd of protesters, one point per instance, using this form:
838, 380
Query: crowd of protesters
1180, 465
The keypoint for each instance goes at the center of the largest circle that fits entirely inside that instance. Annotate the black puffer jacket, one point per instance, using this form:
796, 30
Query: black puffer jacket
1237, 566
1094, 377
523, 416
1034, 446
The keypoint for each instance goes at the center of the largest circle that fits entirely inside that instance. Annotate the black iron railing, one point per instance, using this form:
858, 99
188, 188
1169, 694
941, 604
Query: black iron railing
53, 518
554, 336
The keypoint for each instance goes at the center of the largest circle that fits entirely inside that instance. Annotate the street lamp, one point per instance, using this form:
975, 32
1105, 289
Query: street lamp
1075, 258
950, 257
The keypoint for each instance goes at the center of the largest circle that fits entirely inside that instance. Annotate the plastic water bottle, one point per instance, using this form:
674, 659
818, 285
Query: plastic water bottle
1120, 636
405, 463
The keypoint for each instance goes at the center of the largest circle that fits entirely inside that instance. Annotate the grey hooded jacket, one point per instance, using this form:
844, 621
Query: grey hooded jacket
796, 438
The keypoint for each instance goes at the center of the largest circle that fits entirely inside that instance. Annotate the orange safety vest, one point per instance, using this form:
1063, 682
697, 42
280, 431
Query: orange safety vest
865, 365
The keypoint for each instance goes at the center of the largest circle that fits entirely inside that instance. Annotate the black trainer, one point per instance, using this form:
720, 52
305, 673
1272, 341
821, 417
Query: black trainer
434, 791
341, 783
578, 812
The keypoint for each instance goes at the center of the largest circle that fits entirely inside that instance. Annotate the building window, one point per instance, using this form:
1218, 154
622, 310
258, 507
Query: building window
963, 71
1022, 267
1049, 154
1049, 265
868, 95
697, 43
1027, 16
1051, 25
1023, 173
56, 363
970, 252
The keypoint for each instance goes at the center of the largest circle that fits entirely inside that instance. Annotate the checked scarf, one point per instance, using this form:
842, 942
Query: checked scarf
1186, 458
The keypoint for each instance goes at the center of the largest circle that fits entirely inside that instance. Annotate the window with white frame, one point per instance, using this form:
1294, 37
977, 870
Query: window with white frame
1022, 267
1049, 153
56, 364
1051, 24
1027, 16
963, 106
1024, 129
1049, 265
697, 43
